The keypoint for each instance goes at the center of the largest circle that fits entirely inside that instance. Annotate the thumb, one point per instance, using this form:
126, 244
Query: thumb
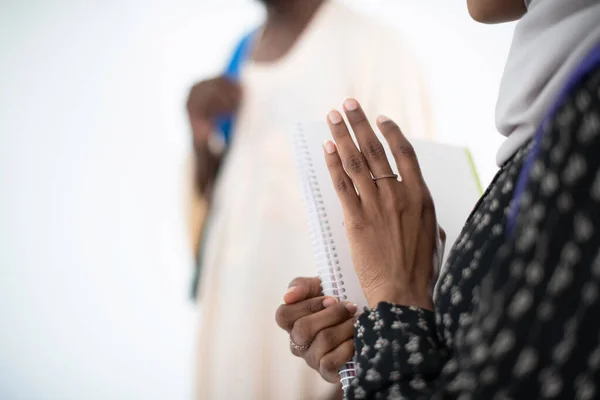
302, 289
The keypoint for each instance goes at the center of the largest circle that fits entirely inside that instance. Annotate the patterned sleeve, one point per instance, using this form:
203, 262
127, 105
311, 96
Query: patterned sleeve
397, 351
535, 332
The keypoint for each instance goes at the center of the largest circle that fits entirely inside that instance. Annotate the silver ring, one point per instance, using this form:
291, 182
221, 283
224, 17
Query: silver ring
393, 176
299, 347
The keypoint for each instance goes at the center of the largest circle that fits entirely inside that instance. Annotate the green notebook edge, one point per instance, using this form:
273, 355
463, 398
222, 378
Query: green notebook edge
474, 171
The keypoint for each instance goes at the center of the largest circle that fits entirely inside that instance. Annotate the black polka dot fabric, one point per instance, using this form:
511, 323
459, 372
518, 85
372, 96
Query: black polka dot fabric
517, 316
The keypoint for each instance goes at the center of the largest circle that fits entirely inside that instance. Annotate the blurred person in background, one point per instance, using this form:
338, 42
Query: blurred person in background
308, 56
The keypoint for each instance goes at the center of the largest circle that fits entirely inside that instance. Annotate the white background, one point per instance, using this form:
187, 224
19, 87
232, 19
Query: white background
94, 264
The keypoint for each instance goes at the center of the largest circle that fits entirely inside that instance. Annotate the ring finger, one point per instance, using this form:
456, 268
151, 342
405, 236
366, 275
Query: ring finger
306, 328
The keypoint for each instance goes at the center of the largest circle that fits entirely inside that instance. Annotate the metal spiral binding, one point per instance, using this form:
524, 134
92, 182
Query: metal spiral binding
328, 264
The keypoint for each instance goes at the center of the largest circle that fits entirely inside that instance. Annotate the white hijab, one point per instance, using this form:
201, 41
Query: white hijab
549, 42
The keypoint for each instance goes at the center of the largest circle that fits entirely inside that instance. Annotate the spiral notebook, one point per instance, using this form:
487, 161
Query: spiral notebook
450, 175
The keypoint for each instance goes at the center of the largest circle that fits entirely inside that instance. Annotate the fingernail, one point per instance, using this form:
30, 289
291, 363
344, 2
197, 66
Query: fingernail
382, 119
335, 117
291, 290
330, 147
352, 308
350, 105
328, 302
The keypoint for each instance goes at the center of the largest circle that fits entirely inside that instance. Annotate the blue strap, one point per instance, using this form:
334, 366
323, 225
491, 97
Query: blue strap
240, 55
225, 127
588, 64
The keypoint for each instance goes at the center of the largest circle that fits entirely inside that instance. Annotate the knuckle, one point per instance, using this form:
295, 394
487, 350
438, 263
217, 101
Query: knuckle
332, 162
282, 317
328, 366
328, 337
314, 284
355, 226
359, 118
395, 203
342, 185
406, 150
339, 131
302, 332
312, 359
375, 150
355, 163
296, 352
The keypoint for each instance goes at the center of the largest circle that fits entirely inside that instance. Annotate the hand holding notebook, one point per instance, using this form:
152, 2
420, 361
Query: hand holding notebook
390, 223
381, 274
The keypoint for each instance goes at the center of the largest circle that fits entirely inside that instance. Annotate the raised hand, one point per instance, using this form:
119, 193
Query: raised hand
391, 223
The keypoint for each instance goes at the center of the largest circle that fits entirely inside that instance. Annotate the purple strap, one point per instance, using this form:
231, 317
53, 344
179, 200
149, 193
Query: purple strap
588, 64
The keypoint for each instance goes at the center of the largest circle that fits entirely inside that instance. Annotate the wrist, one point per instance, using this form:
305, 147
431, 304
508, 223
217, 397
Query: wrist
399, 296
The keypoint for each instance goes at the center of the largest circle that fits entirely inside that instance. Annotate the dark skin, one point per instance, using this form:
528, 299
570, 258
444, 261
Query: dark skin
286, 20
496, 11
